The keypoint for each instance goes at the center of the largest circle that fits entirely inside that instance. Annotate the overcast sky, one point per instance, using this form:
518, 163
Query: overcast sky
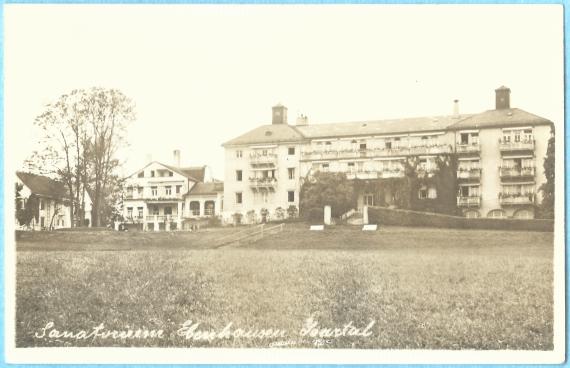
201, 75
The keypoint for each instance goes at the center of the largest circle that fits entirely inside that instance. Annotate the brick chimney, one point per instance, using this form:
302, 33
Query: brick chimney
176, 156
502, 98
279, 114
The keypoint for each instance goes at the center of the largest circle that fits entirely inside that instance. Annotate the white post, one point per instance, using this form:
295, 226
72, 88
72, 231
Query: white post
156, 223
365, 215
327, 215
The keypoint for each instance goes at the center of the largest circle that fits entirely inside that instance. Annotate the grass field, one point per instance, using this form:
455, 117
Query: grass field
423, 288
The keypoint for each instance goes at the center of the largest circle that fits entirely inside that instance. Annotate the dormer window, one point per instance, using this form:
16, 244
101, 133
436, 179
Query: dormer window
170, 173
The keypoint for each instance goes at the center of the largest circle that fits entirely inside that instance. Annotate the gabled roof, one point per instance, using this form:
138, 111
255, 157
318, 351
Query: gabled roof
197, 172
501, 118
44, 186
207, 188
272, 133
379, 127
180, 170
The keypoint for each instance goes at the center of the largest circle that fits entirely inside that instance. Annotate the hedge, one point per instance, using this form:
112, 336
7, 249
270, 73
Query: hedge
387, 216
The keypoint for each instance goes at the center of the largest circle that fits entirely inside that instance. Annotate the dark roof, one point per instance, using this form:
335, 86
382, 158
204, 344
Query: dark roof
207, 188
197, 172
377, 127
272, 133
44, 186
501, 118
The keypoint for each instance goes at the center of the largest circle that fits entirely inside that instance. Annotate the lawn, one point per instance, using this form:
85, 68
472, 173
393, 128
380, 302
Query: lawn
413, 288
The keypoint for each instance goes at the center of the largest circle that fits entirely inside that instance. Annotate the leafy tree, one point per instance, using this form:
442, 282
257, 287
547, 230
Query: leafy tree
546, 209
322, 189
82, 132
30, 211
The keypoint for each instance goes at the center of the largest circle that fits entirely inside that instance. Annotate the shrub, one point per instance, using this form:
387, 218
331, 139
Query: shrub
237, 218
279, 213
292, 211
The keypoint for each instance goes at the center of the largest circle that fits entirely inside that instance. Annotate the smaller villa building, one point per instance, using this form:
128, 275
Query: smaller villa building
170, 197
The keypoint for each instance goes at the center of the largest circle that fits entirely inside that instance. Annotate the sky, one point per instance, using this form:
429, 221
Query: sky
201, 75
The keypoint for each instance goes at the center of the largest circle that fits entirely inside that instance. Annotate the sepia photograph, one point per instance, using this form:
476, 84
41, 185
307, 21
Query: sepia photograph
297, 183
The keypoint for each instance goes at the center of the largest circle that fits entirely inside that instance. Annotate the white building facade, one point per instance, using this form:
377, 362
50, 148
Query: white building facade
161, 197
499, 152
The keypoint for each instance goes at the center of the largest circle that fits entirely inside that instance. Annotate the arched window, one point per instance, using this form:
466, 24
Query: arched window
524, 214
496, 214
195, 208
209, 208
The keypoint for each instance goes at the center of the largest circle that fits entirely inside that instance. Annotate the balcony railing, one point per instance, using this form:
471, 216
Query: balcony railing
527, 145
262, 183
157, 197
468, 148
374, 152
471, 201
375, 174
162, 218
516, 172
469, 173
515, 199
256, 159
430, 150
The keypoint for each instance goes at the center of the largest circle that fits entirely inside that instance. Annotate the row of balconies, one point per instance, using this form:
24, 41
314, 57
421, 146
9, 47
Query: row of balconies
504, 199
375, 152
461, 148
504, 172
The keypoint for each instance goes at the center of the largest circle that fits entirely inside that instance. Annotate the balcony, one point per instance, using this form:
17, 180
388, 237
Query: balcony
472, 148
469, 173
516, 172
162, 218
259, 184
469, 202
430, 150
516, 199
165, 198
527, 145
269, 159
374, 152
384, 174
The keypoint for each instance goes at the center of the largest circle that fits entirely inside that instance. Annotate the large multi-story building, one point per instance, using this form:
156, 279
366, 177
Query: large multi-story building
171, 197
499, 155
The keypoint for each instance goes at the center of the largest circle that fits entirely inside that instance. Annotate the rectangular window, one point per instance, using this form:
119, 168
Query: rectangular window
291, 196
362, 146
42, 204
141, 174
239, 153
129, 212
239, 175
238, 198
152, 174
154, 191
140, 212
140, 191
170, 173
325, 167
291, 172
432, 193
178, 189
388, 144
291, 150
168, 210
168, 190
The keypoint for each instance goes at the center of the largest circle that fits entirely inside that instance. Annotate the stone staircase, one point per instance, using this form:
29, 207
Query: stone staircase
353, 217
